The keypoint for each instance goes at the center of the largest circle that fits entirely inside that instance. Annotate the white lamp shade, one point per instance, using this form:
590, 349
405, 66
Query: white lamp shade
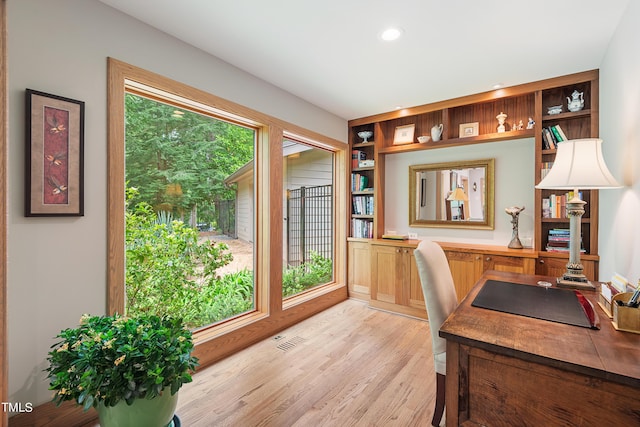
458, 195
579, 164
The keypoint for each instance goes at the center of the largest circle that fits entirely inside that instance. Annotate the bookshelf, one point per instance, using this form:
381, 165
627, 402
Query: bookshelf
529, 100
575, 125
362, 184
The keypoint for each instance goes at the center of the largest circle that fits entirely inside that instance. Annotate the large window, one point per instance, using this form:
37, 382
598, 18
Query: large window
207, 174
308, 178
183, 255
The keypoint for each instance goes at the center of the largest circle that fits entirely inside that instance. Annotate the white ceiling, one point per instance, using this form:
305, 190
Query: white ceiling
328, 51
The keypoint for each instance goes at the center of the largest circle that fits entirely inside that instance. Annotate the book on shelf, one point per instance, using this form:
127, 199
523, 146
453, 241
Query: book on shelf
356, 157
546, 212
558, 240
362, 228
552, 136
395, 236
547, 140
546, 167
359, 182
556, 204
363, 205
561, 133
556, 134
366, 163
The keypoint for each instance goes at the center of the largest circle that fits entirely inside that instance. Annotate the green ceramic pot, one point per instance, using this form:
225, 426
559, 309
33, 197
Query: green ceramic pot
157, 412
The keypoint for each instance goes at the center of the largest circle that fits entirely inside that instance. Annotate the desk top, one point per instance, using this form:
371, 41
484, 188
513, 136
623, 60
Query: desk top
604, 353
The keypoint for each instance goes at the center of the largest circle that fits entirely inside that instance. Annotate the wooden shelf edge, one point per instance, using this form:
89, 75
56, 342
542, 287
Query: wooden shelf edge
452, 142
357, 145
566, 116
359, 239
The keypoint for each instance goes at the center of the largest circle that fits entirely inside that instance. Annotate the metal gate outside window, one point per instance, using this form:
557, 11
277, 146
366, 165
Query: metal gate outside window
226, 217
309, 223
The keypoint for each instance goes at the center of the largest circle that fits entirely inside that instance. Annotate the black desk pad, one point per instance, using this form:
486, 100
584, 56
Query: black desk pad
552, 304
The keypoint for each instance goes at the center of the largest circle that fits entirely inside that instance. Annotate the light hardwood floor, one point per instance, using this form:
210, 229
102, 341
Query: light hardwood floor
347, 366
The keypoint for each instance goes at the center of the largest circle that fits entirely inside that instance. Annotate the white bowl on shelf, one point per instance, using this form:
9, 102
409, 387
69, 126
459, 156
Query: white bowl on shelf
423, 139
556, 109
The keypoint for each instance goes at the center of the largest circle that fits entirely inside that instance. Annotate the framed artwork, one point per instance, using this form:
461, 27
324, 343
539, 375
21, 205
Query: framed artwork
404, 134
468, 129
54, 184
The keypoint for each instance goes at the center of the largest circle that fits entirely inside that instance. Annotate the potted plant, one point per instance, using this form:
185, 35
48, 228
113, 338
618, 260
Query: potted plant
123, 366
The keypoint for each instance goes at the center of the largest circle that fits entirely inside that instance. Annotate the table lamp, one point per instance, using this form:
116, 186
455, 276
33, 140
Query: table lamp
458, 195
578, 165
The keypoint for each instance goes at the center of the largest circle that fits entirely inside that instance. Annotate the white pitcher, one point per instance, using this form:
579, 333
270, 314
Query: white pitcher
436, 132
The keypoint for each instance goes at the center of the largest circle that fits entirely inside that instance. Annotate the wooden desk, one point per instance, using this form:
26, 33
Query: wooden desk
508, 370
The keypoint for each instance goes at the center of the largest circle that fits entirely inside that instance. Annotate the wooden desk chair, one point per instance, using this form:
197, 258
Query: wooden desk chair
441, 299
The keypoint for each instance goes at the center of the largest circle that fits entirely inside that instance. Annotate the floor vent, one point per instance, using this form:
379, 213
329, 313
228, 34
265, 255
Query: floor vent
288, 345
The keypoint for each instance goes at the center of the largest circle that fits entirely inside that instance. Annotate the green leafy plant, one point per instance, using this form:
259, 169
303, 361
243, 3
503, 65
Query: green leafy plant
113, 358
317, 271
169, 272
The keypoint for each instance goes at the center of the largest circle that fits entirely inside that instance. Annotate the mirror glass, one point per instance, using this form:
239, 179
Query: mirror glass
453, 194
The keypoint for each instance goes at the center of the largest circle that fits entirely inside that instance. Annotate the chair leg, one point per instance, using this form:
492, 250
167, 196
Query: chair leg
440, 395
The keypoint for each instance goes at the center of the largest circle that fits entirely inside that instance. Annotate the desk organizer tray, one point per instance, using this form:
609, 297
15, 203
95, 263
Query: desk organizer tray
625, 318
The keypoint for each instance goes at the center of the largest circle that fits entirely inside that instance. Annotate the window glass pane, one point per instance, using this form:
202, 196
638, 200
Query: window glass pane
189, 232
309, 211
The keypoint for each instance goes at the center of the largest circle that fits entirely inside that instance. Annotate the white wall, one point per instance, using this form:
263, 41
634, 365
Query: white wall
619, 236
513, 187
244, 210
57, 266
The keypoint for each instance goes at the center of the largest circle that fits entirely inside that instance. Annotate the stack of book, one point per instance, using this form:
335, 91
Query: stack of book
363, 205
558, 240
555, 206
356, 157
546, 167
552, 136
359, 182
362, 228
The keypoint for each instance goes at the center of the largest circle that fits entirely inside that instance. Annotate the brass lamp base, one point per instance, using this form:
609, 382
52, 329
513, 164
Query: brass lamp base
575, 281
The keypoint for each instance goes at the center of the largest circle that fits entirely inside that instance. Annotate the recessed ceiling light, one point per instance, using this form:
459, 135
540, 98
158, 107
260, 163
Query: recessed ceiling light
497, 85
391, 34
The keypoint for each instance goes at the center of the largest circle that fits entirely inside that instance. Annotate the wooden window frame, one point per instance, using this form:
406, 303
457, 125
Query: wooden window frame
271, 313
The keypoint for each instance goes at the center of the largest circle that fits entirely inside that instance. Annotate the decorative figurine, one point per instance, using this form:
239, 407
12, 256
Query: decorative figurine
436, 132
576, 102
530, 123
365, 134
501, 118
520, 125
514, 211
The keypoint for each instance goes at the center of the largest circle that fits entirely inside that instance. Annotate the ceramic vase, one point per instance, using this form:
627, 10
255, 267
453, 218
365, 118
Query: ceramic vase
156, 412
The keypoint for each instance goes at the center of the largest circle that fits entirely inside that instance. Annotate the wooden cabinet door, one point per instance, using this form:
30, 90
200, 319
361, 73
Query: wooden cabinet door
359, 270
415, 297
509, 264
466, 269
556, 267
386, 272
395, 284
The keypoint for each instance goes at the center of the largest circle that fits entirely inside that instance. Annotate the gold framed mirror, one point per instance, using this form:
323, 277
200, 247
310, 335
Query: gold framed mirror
452, 194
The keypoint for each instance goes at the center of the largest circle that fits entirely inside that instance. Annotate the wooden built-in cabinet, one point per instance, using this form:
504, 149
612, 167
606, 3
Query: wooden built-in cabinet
384, 272
468, 262
395, 284
520, 103
575, 125
555, 264
359, 269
